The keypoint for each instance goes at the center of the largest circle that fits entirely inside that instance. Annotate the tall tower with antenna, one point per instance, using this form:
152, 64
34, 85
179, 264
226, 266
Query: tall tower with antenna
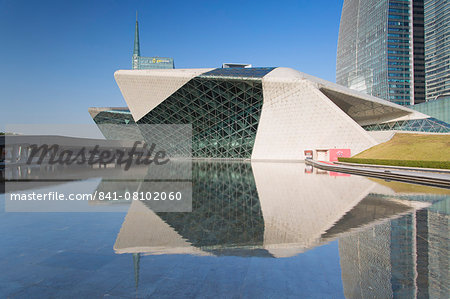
137, 48
144, 63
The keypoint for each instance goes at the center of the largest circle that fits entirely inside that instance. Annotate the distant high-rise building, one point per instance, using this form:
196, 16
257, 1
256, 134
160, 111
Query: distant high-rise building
418, 51
437, 48
380, 49
146, 63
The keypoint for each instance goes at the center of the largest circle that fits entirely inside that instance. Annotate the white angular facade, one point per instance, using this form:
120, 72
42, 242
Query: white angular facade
258, 113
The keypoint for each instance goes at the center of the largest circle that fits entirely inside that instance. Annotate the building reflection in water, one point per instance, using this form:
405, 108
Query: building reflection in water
278, 210
391, 242
406, 257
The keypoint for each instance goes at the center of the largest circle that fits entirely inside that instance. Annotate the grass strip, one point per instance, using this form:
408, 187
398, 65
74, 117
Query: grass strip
405, 163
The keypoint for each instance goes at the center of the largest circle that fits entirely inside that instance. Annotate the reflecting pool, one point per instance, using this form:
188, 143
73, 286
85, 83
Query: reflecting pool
255, 229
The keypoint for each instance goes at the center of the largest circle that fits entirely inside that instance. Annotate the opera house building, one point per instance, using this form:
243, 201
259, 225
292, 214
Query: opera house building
257, 113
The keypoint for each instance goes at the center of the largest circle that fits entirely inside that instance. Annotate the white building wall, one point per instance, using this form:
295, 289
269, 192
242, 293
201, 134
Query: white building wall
296, 116
143, 90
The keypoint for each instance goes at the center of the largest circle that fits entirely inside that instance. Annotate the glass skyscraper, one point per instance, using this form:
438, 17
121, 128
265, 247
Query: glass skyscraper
378, 52
437, 48
145, 63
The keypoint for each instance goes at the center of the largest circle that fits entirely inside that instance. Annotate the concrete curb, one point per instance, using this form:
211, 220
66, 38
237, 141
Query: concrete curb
412, 176
447, 171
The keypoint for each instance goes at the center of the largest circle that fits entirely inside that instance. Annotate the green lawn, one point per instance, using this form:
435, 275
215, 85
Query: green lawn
411, 147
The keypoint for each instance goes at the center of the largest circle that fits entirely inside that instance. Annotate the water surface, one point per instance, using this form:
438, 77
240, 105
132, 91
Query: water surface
255, 230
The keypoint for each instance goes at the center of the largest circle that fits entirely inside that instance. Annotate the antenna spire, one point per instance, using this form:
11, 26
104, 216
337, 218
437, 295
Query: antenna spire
136, 50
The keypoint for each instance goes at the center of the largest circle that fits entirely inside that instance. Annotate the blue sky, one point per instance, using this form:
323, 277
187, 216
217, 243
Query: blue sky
57, 58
